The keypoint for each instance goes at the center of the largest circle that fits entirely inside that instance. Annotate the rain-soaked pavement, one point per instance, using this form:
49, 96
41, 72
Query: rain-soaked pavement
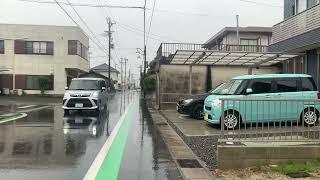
49, 145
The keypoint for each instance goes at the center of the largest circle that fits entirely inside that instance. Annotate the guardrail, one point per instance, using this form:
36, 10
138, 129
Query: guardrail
270, 119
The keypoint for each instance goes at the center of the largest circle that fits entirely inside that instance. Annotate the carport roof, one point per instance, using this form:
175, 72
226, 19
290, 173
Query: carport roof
209, 57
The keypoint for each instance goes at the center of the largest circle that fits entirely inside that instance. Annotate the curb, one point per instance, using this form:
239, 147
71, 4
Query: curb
188, 164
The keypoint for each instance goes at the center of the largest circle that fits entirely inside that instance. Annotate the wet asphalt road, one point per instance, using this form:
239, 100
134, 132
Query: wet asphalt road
49, 145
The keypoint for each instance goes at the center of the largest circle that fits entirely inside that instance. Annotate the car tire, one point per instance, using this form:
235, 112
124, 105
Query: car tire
66, 112
232, 120
197, 112
310, 117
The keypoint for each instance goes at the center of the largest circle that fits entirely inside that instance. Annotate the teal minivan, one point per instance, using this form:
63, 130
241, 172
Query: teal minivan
264, 98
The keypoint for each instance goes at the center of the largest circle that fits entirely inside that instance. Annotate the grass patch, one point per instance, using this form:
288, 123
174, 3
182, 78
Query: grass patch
7, 116
292, 167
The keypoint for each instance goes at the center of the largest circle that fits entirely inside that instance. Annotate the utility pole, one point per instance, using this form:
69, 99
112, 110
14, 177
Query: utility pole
125, 71
110, 24
144, 32
121, 62
238, 39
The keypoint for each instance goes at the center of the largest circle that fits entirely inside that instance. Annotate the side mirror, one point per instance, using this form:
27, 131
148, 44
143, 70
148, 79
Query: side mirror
66, 88
249, 91
103, 88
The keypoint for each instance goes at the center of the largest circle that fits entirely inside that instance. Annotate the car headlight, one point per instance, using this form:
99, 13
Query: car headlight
95, 94
187, 101
66, 95
216, 102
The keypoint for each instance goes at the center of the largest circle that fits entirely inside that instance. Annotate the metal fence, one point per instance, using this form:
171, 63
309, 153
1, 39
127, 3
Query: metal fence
270, 119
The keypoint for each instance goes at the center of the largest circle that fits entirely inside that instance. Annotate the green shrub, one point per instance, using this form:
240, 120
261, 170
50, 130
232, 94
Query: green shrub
149, 83
44, 84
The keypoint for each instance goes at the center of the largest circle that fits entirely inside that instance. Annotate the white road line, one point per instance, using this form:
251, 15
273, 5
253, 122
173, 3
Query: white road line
95, 167
14, 118
24, 107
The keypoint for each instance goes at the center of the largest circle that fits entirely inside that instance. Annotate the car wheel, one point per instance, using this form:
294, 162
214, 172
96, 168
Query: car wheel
310, 116
231, 119
197, 112
66, 112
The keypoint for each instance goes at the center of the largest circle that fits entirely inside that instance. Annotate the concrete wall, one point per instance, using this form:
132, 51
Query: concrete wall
43, 64
223, 73
175, 78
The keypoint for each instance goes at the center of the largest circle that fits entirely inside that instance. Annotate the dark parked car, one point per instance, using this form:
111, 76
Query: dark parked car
193, 105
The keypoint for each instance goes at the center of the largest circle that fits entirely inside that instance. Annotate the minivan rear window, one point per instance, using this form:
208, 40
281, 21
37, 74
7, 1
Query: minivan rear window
308, 84
287, 85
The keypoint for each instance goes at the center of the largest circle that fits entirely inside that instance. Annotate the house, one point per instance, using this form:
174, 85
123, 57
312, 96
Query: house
251, 39
185, 68
104, 70
31, 53
299, 32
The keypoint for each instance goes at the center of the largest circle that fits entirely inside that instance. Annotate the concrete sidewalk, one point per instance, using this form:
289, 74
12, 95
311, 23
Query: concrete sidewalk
189, 165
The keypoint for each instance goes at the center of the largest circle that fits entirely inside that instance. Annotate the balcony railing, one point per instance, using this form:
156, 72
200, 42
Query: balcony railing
167, 49
303, 22
242, 48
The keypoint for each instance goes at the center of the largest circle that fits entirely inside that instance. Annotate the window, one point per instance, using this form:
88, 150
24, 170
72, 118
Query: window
33, 82
260, 86
77, 48
249, 45
228, 88
34, 47
1, 46
249, 42
72, 47
287, 85
312, 3
308, 84
301, 5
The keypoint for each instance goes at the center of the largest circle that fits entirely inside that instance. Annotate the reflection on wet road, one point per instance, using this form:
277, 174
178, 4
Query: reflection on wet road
49, 145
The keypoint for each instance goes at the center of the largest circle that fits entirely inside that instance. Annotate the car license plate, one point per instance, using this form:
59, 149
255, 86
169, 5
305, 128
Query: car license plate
206, 116
79, 105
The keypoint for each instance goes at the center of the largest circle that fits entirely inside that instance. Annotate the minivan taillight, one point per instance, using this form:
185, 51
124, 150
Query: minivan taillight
318, 95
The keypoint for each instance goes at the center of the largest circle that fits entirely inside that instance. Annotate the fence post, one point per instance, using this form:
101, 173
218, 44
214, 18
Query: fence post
222, 119
190, 79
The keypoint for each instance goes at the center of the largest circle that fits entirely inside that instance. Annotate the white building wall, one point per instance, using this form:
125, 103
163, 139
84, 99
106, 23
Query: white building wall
231, 38
43, 64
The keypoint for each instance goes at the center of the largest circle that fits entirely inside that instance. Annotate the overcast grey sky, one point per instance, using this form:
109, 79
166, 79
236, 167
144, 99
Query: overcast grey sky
193, 21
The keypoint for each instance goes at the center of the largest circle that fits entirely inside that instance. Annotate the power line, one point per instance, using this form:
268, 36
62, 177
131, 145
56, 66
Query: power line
121, 7
84, 5
101, 48
260, 3
154, 5
84, 22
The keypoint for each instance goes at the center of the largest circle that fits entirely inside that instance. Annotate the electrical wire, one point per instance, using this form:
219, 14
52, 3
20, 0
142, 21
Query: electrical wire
260, 3
84, 22
66, 12
152, 14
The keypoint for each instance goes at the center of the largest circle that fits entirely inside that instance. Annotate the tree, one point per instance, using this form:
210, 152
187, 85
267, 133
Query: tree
45, 83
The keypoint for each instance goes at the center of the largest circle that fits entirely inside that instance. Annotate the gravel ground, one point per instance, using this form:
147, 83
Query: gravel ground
258, 173
205, 147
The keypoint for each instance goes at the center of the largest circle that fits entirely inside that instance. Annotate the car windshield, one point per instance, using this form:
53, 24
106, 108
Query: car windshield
228, 88
218, 88
84, 85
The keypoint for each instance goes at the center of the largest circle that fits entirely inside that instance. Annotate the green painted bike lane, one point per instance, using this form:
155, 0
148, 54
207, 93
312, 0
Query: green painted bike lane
110, 166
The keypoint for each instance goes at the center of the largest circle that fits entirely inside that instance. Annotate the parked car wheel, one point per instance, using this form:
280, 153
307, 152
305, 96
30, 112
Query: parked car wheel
66, 112
232, 119
197, 112
310, 116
